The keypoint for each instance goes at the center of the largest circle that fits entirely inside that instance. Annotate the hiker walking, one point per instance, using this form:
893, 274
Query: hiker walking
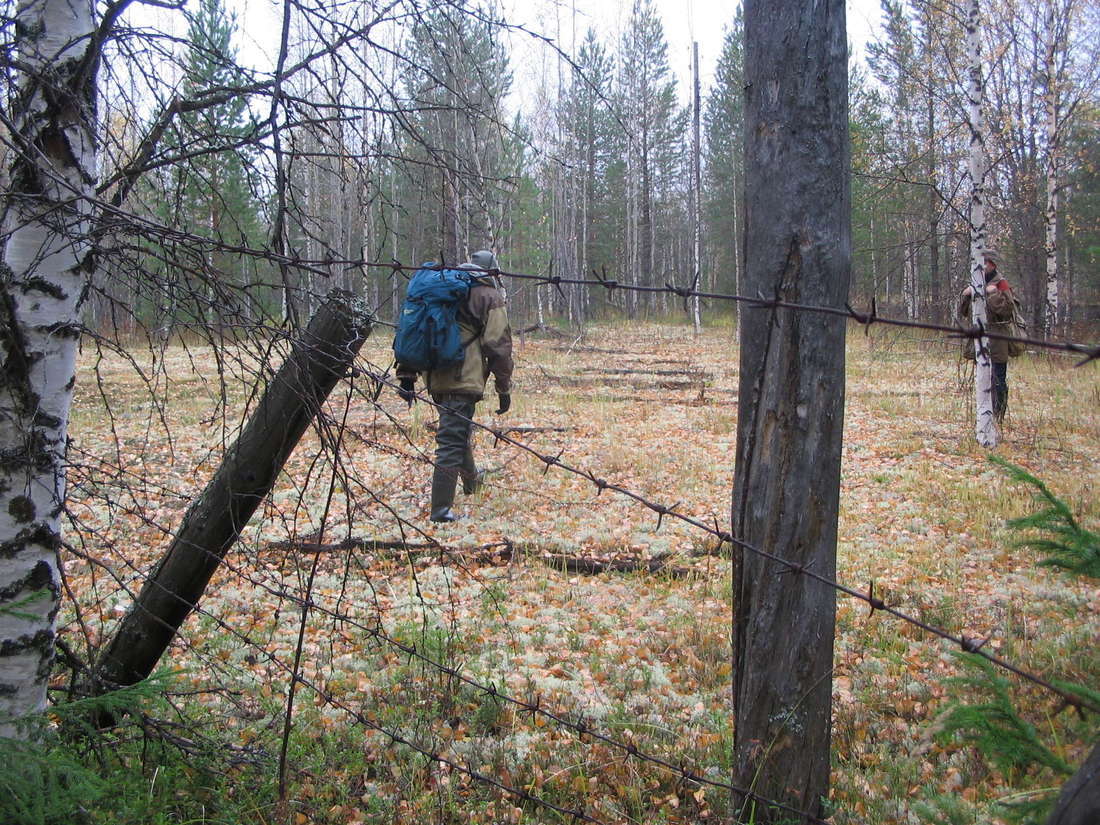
486, 340
1001, 308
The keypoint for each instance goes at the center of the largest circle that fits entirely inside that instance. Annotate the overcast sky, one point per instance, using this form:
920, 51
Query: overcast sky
685, 21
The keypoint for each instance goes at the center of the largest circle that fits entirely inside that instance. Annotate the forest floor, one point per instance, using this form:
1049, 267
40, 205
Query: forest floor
507, 597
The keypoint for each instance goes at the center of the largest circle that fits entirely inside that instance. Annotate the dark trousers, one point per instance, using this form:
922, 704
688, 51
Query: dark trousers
453, 447
1000, 389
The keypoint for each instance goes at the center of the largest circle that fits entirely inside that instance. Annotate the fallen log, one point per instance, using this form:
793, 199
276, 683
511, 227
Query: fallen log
688, 373
593, 567
554, 333
489, 553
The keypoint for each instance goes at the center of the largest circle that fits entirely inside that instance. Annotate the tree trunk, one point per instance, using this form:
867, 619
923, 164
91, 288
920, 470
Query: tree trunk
1050, 104
985, 429
1079, 801
935, 288
787, 483
248, 472
696, 192
43, 278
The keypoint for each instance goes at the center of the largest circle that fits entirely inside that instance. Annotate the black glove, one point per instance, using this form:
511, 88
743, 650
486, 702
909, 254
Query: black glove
505, 400
407, 393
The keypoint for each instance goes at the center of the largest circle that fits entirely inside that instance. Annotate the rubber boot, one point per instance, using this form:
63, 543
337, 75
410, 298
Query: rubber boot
473, 482
444, 481
473, 479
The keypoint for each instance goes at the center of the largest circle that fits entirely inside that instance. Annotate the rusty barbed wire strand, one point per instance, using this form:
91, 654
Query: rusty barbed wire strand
864, 319
966, 643
581, 728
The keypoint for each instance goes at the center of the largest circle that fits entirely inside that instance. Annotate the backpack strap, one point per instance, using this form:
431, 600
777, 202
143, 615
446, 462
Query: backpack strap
467, 315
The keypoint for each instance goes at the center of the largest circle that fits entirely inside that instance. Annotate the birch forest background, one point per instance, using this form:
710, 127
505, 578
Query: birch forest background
402, 134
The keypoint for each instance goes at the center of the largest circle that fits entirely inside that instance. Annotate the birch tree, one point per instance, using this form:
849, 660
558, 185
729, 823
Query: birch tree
1050, 95
1069, 78
43, 277
696, 187
985, 427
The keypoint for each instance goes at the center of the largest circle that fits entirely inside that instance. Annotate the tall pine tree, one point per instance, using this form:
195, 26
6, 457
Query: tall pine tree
654, 128
725, 160
208, 192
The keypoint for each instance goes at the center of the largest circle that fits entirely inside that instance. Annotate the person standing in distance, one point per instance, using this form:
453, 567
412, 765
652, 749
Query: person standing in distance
487, 350
999, 304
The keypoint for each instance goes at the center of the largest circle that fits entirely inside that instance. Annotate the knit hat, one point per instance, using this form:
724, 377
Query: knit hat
484, 259
992, 254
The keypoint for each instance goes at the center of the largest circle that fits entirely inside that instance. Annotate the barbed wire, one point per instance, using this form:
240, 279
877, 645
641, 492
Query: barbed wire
968, 644
432, 754
580, 727
864, 319
536, 708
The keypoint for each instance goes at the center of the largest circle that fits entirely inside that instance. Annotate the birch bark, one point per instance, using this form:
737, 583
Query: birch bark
43, 279
985, 429
1050, 318
696, 193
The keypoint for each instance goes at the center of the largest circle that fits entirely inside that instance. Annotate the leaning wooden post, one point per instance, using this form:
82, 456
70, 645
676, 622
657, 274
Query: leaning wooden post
214, 522
1078, 802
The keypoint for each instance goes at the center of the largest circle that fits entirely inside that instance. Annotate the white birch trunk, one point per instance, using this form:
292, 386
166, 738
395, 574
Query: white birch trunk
985, 429
909, 284
874, 259
42, 283
696, 195
1050, 318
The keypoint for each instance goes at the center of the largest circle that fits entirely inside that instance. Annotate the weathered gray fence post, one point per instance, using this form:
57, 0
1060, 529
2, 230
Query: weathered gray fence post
215, 520
1079, 801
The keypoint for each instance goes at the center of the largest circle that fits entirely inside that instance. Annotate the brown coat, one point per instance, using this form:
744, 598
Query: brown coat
487, 342
998, 308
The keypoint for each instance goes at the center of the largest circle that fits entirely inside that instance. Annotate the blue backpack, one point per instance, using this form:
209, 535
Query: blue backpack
427, 335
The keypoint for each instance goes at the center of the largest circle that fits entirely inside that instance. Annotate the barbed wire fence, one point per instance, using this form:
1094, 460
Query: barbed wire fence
377, 381
235, 318
867, 319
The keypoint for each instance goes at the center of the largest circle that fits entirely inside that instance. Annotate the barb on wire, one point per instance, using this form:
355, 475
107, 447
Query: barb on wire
727, 537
